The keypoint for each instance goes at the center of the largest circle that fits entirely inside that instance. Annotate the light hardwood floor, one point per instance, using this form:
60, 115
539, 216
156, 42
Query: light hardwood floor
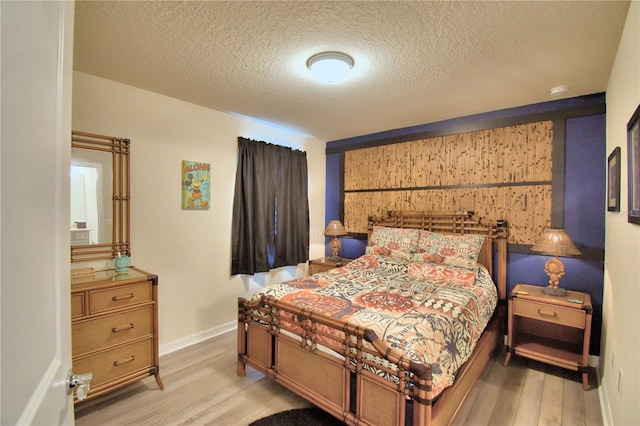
202, 388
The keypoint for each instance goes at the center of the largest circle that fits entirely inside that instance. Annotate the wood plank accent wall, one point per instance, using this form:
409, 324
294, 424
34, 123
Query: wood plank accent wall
501, 173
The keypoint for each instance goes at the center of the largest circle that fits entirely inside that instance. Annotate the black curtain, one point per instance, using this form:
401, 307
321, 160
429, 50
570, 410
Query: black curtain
270, 225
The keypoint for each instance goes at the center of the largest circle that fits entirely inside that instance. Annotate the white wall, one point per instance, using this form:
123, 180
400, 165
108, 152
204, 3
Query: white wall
190, 251
621, 305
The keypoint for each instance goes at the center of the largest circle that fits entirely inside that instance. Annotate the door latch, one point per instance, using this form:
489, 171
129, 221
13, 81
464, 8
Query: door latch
81, 382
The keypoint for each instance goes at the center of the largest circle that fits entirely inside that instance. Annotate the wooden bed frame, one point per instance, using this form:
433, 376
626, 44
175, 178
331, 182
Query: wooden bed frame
296, 355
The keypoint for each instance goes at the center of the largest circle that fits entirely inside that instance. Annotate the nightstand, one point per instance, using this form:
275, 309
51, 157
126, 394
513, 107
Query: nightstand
325, 264
551, 329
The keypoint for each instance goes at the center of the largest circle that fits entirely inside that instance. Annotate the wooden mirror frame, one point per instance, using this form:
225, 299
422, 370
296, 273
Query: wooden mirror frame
121, 205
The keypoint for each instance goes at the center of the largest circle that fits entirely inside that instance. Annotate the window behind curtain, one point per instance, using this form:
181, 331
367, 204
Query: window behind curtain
270, 225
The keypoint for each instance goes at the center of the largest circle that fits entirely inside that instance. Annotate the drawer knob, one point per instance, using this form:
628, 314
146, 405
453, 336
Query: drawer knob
122, 328
124, 361
122, 297
547, 313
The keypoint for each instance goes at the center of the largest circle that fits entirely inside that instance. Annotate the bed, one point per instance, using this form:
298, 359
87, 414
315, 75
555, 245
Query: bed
366, 342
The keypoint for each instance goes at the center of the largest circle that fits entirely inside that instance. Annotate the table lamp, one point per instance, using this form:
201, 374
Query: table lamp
555, 242
335, 229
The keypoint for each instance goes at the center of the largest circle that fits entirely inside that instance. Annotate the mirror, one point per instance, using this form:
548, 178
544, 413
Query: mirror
100, 201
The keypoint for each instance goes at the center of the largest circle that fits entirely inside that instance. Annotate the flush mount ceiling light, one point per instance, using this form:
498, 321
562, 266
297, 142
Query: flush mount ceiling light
330, 67
558, 90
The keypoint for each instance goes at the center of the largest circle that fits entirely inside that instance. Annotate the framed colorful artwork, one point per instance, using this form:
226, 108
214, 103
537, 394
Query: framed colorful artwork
196, 185
633, 154
613, 187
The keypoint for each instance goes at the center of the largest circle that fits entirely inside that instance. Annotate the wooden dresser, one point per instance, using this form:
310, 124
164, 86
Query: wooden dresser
114, 328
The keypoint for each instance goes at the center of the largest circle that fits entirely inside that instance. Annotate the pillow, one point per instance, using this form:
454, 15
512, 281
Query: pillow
458, 250
394, 242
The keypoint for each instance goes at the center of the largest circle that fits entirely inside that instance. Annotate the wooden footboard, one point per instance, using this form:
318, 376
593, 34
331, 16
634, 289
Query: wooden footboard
327, 362
339, 379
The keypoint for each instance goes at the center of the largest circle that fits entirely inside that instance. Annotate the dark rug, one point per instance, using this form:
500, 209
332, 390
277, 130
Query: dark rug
312, 416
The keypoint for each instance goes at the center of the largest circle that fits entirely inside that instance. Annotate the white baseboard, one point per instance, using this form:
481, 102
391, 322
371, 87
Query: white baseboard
605, 409
167, 348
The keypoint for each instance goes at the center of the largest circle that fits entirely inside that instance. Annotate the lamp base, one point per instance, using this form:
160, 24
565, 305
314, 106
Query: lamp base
555, 291
554, 268
336, 259
335, 249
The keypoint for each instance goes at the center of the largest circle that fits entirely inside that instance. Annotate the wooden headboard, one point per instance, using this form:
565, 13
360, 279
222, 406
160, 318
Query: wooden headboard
458, 223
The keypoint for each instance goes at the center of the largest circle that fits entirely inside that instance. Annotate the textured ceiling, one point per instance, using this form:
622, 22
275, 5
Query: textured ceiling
415, 62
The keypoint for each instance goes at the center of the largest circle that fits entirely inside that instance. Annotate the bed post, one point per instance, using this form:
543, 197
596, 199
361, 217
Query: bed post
502, 268
422, 398
242, 337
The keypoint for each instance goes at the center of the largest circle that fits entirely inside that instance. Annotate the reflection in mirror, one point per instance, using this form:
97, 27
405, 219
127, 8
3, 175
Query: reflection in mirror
88, 215
84, 205
100, 202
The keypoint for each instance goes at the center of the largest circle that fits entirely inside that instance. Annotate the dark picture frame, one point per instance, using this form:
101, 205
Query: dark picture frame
613, 185
633, 154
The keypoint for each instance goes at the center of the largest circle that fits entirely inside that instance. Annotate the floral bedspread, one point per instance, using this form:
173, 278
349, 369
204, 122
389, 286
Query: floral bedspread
433, 313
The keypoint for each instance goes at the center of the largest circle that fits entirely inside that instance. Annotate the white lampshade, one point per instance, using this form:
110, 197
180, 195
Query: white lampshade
330, 67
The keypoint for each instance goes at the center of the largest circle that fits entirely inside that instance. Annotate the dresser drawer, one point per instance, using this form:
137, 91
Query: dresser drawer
110, 330
117, 297
550, 313
117, 362
77, 305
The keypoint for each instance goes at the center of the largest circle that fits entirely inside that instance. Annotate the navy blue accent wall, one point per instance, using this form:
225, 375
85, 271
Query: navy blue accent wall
333, 209
584, 196
584, 210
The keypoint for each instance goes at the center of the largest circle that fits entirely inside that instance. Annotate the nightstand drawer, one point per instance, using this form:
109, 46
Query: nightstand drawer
549, 313
315, 268
325, 264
